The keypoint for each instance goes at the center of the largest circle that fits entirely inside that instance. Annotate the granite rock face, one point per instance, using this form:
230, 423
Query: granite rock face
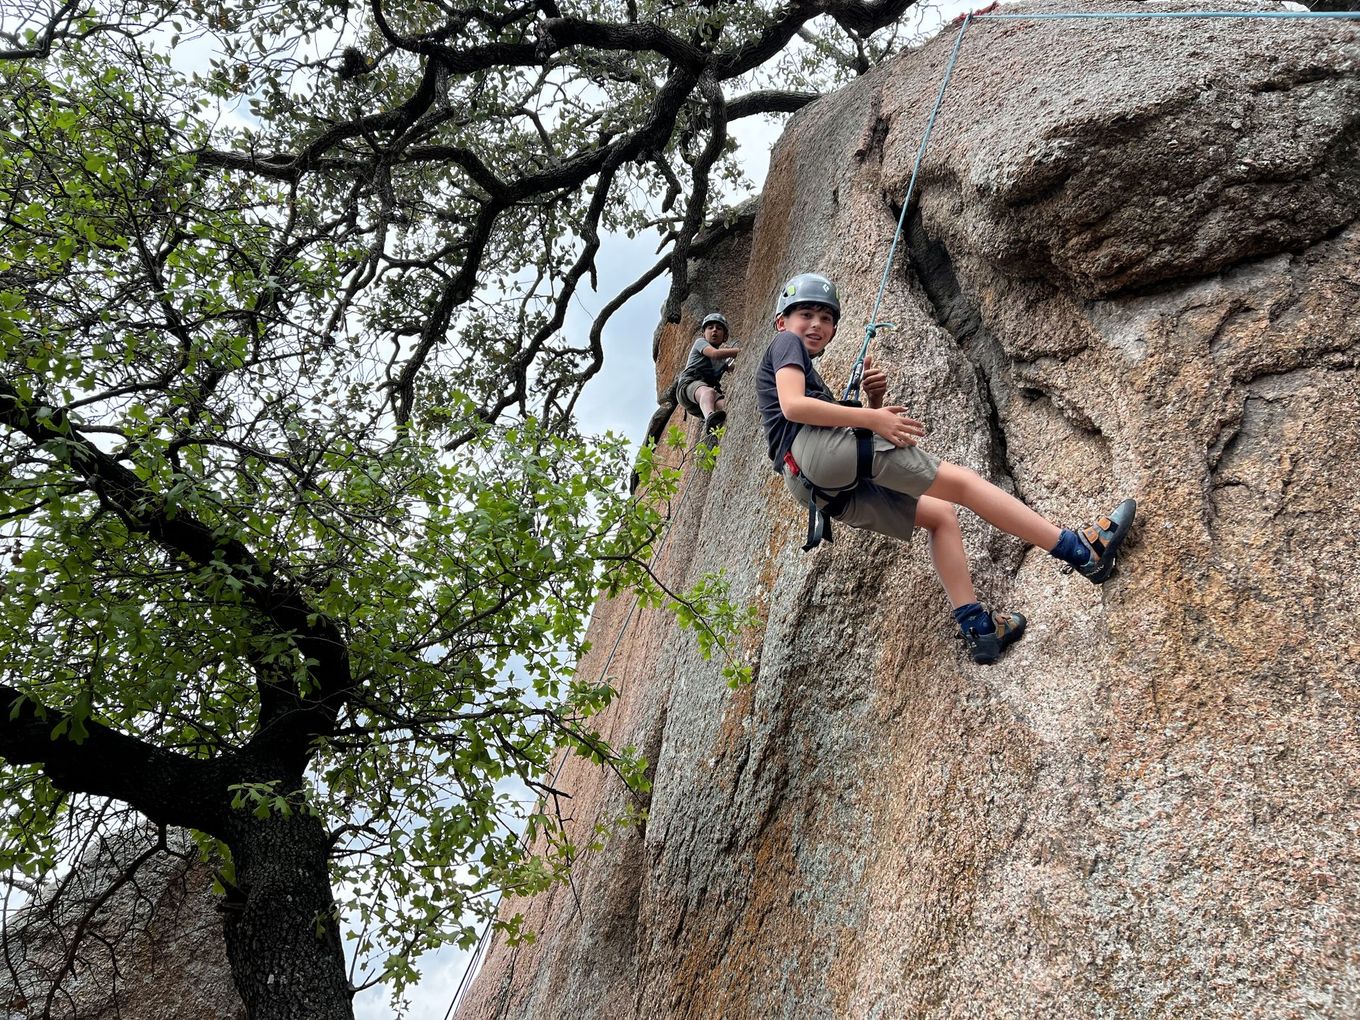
1134, 269
131, 932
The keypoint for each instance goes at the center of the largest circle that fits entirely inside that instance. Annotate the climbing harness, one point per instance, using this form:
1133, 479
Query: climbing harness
815, 289
819, 517
683, 382
688, 375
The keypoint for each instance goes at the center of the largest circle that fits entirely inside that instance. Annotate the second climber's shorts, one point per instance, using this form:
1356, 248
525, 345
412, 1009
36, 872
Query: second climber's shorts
687, 391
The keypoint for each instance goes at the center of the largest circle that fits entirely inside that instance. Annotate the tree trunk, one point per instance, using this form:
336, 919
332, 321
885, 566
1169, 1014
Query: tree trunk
282, 937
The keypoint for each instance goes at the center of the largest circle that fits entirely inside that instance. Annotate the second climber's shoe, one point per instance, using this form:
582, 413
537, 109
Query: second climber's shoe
1103, 539
714, 420
987, 648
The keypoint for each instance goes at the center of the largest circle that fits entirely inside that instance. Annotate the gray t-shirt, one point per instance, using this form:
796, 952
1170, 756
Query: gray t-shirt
784, 350
700, 366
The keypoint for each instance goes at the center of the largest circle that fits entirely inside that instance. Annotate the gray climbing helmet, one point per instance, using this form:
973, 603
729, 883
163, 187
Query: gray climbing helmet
809, 288
716, 317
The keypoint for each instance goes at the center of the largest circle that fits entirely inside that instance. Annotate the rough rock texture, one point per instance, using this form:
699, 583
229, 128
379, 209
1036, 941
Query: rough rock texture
1134, 270
150, 947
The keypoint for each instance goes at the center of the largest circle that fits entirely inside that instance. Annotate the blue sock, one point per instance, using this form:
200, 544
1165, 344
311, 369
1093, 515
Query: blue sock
1071, 549
973, 617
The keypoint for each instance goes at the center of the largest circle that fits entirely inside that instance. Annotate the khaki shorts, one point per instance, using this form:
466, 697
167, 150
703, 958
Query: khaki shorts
886, 503
689, 394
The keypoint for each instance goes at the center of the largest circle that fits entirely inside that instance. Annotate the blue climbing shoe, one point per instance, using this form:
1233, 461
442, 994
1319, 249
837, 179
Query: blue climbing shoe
987, 648
1103, 539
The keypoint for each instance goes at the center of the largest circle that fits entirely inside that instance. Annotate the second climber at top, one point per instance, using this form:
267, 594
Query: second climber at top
699, 387
862, 466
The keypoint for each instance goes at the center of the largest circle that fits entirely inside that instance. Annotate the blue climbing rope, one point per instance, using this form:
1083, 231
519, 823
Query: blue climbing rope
871, 330
1133, 15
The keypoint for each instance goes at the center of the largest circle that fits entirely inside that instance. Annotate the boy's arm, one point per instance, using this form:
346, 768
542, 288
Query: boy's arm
721, 352
888, 422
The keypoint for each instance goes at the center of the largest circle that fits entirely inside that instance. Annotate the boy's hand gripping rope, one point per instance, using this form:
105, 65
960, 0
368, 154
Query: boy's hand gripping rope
857, 372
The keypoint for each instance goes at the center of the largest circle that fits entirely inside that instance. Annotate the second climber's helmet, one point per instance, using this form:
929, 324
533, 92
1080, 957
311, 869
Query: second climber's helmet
716, 318
809, 288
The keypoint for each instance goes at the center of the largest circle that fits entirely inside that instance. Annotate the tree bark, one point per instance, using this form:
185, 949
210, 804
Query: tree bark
282, 937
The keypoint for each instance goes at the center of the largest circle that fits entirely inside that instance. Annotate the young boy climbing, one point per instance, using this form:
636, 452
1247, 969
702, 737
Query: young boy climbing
699, 387
881, 480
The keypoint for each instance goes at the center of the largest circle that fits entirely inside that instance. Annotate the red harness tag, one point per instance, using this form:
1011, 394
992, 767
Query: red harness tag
793, 464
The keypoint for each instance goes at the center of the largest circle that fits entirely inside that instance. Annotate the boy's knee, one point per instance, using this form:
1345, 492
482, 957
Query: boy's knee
938, 516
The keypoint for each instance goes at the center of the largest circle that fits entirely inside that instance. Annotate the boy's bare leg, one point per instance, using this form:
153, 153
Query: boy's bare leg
946, 549
999, 509
706, 398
